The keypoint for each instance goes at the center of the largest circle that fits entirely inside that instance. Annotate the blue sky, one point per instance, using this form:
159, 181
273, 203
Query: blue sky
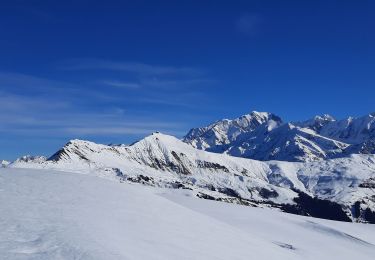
114, 71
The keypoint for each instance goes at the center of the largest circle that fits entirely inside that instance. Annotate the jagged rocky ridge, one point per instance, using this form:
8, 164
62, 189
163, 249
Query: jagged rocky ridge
264, 136
341, 189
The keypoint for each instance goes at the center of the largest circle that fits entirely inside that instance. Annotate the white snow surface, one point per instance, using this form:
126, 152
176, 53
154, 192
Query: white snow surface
47, 214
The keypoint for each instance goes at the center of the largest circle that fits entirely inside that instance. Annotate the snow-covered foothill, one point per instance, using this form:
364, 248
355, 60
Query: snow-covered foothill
341, 188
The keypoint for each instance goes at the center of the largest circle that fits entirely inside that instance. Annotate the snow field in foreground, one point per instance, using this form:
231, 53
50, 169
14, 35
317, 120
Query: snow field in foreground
56, 215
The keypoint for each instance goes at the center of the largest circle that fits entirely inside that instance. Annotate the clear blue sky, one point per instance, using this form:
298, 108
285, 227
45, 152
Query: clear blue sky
114, 71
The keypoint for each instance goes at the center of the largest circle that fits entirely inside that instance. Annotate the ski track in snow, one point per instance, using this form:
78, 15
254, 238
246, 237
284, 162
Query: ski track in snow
56, 215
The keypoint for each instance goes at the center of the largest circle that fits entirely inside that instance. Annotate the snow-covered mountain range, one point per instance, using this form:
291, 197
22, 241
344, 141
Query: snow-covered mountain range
264, 136
340, 188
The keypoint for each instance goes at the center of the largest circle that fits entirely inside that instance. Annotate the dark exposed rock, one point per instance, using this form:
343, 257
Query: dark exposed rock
285, 245
230, 192
118, 172
58, 155
63, 154
244, 172
266, 193
363, 215
181, 168
369, 216
179, 185
210, 165
210, 187
356, 210
142, 179
369, 183
238, 201
315, 207
205, 196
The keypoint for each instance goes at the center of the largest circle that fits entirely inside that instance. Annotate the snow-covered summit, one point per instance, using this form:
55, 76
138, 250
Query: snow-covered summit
31, 159
353, 130
219, 135
264, 136
317, 122
74, 149
4, 163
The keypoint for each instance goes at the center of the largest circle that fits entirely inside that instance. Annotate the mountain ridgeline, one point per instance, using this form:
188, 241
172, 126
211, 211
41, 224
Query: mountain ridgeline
264, 136
339, 189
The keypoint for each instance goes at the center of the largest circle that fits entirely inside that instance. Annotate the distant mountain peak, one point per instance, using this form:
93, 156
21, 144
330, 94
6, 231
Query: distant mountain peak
218, 135
325, 117
264, 115
73, 147
31, 158
264, 136
4, 163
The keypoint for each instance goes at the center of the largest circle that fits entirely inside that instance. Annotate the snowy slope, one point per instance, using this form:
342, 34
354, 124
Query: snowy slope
58, 215
164, 161
264, 136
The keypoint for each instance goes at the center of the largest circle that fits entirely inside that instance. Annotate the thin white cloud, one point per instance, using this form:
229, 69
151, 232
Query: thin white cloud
121, 84
17, 103
177, 83
160, 83
36, 107
133, 67
87, 125
19, 81
30, 116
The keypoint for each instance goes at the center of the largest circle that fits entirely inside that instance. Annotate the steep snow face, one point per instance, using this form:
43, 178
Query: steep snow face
217, 136
288, 143
317, 123
351, 130
60, 215
358, 133
348, 181
269, 139
164, 161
